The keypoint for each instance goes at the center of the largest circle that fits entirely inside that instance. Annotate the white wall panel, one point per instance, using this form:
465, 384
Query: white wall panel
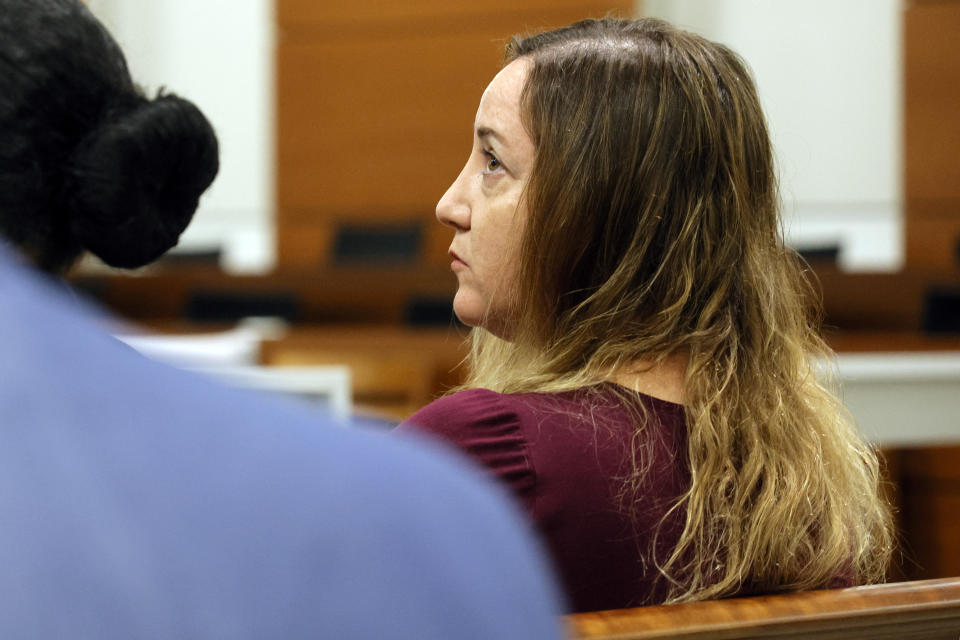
829, 76
218, 53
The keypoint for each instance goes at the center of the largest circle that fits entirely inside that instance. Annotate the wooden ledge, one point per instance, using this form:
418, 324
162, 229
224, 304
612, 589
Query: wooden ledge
921, 609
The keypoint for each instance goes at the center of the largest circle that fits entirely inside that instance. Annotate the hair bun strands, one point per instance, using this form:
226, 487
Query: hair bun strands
135, 181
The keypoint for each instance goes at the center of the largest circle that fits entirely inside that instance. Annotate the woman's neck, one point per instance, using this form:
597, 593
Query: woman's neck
663, 380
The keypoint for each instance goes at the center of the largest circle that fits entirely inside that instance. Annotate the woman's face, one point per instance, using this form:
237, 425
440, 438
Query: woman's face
484, 205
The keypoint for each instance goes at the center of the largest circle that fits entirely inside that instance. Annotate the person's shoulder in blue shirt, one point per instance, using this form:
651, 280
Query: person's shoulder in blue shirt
142, 501
138, 501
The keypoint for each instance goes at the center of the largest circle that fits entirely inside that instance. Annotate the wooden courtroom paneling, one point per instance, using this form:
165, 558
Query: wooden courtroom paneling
860, 341
932, 133
930, 511
874, 301
375, 106
360, 294
377, 127
932, 100
929, 479
306, 243
933, 234
300, 12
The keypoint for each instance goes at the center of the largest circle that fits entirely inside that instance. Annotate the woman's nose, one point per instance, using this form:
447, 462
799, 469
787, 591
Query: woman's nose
453, 209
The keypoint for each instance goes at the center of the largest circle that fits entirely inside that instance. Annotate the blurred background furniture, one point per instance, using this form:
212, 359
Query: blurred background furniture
235, 357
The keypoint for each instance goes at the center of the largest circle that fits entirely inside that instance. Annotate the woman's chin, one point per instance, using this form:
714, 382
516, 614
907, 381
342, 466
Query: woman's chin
474, 313
468, 310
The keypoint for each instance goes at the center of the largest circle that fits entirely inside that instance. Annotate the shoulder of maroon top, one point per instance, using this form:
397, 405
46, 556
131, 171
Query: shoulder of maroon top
462, 408
487, 427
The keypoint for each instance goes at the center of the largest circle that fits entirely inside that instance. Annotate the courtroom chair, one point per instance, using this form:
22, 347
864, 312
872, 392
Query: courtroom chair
925, 609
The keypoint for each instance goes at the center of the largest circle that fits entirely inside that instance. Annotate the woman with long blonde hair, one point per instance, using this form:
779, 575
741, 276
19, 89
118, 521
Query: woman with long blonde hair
646, 372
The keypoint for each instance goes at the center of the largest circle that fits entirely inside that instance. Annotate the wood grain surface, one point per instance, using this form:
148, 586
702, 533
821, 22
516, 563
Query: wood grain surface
921, 610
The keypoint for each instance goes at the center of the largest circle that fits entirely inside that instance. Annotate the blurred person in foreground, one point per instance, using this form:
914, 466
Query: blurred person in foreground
644, 373
139, 501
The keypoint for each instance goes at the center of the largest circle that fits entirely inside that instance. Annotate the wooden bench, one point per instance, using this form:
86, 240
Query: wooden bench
927, 609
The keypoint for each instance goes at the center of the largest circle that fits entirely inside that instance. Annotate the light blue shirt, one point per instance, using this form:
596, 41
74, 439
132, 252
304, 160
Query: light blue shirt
138, 501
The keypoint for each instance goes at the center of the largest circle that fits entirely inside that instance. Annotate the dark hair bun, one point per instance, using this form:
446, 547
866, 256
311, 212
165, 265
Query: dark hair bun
137, 180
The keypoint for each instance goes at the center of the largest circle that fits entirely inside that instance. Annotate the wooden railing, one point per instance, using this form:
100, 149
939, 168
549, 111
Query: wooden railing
921, 610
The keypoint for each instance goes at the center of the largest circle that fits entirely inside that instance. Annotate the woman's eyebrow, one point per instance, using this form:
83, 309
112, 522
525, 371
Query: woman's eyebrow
486, 132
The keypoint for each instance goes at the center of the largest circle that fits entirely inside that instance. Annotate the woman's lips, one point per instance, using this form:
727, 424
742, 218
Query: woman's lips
458, 262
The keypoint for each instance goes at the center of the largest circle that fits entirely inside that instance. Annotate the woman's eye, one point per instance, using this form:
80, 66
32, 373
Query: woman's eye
492, 163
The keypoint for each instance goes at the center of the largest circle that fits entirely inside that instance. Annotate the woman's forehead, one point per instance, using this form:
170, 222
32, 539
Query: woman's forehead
499, 110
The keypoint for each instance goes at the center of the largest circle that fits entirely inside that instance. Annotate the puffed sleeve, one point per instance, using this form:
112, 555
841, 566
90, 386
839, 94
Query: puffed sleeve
484, 425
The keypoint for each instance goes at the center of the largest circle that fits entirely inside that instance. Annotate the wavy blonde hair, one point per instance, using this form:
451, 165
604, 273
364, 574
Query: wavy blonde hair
652, 229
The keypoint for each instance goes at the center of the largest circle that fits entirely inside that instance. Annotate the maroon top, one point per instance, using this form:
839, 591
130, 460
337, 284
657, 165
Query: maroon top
566, 456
